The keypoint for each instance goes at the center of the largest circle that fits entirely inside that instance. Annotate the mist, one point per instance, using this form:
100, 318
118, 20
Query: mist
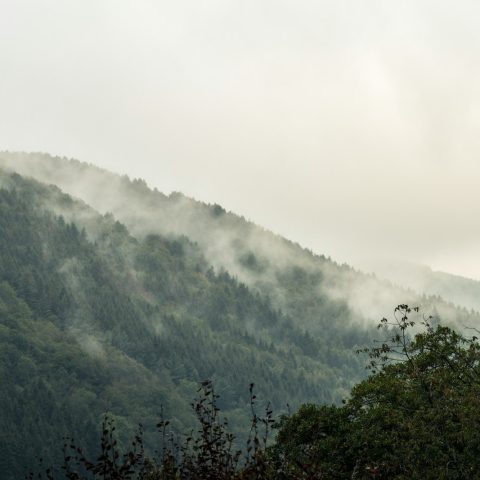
348, 127
268, 264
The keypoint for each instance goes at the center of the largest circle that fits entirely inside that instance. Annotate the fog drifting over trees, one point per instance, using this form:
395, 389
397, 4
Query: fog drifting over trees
349, 127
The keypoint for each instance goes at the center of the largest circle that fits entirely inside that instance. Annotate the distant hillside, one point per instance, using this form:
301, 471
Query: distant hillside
453, 288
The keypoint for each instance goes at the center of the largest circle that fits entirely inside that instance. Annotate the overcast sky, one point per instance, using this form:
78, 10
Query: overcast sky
352, 127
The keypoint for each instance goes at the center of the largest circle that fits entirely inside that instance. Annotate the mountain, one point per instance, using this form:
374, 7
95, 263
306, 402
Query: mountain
422, 279
93, 319
290, 275
115, 297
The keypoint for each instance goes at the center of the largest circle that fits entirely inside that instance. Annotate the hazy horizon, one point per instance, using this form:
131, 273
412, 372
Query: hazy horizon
348, 128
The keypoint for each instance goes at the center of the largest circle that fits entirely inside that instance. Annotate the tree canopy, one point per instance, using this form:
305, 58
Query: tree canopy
416, 416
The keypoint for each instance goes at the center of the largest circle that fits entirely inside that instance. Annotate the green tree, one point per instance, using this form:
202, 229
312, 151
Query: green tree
416, 416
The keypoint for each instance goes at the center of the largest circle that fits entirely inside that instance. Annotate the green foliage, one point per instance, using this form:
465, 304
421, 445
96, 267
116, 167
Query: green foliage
416, 417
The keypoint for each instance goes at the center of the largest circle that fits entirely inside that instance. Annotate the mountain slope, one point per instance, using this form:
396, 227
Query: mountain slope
93, 319
311, 288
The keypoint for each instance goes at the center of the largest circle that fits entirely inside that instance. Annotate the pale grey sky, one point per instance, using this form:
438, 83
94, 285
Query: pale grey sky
351, 127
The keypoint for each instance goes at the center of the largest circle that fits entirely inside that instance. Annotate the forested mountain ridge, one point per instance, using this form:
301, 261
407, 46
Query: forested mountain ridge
94, 320
311, 288
127, 315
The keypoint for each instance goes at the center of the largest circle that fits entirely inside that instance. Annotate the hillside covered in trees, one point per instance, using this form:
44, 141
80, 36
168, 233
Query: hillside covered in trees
415, 417
116, 298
